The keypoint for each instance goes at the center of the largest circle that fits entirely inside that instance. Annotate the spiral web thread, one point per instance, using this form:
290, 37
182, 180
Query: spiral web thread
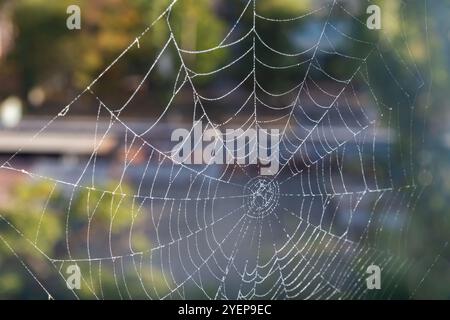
224, 232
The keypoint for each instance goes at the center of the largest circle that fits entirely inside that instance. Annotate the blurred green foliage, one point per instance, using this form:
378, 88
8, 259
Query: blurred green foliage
49, 56
33, 232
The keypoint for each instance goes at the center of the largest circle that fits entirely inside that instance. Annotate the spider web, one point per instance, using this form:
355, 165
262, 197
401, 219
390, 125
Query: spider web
225, 232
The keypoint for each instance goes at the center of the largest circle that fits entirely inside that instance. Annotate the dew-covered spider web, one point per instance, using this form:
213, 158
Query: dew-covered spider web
342, 199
